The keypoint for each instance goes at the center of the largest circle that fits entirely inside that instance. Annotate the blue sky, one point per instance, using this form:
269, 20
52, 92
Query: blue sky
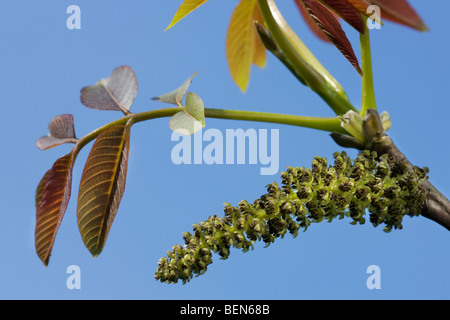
44, 65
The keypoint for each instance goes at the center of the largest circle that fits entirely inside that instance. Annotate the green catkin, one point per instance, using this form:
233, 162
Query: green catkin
386, 188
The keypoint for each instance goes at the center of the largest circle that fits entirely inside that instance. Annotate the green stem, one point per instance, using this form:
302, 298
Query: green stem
326, 124
368, 90
303, 61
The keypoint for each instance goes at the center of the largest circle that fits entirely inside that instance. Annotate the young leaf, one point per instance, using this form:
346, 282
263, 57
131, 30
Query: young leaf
195, 107
361, 6
185, 8
114, 93
102, 186
242, 42
176, 96
184, 124
52, 198
353, 124
190, 120
311, 23
40, 188
385, 120
401, 12
327, 22
345, 10
61, 131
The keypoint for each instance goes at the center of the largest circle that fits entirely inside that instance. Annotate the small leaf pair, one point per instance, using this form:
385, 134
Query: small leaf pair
192, 116
61, 130
114, 93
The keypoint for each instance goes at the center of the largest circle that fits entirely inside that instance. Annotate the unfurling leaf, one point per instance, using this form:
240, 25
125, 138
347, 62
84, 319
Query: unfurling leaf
61, 130
185, 8
353, 124
176, 96
243, 46
328, 23
191, 119
114, 93
399, 11
102, 186
52, 198
385, 120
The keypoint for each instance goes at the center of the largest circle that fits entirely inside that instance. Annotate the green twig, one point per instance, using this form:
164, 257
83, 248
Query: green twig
325, 124
368, 90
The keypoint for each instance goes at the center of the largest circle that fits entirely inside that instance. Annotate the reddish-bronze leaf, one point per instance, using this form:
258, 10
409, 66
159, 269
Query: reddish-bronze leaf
328, 23
102, 186
311, 23
360, 5
52, 198
401, 12
117, 92
61, 130
40, 188
345, 10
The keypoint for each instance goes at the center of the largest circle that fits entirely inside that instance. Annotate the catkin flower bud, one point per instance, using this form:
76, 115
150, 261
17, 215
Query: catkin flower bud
386, 188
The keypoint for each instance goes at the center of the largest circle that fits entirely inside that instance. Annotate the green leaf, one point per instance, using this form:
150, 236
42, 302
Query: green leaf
195, 107
184, 124
52, 198
177, 95
191, 119
102, 186
186, 7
